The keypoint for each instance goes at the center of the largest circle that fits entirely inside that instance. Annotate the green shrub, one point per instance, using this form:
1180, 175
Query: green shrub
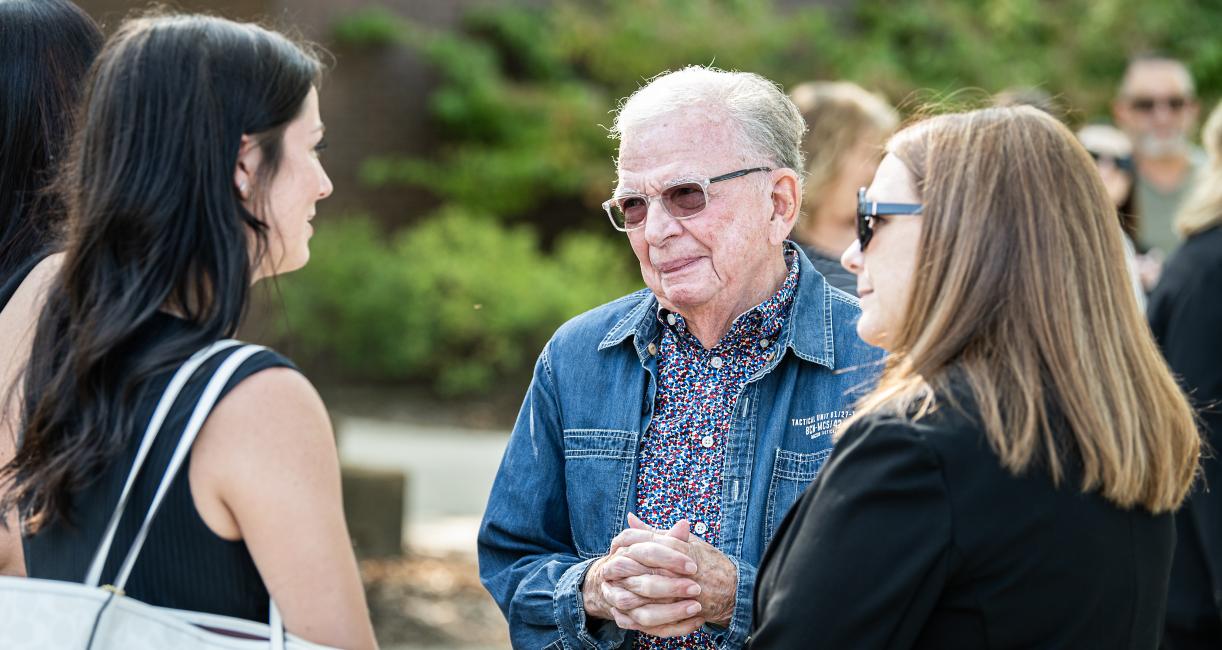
459, 301
526, 91
462, 299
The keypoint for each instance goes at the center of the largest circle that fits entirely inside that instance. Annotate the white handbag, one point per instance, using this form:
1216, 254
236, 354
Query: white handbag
38, 614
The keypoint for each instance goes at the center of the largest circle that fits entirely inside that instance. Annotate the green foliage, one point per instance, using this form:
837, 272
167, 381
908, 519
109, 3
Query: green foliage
526, 91
458, 301
522, 106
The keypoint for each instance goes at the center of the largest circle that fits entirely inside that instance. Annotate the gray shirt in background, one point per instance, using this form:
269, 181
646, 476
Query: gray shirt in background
1156, 226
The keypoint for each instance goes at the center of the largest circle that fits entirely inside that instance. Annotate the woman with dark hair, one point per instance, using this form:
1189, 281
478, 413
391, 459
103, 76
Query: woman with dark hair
46, 47
194, 174
1010, 481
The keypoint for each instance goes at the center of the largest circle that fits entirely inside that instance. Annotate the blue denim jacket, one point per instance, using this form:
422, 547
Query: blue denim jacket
569, 474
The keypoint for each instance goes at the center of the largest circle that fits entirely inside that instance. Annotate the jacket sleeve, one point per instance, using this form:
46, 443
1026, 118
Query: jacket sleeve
527, 557
865, 552
1187, 321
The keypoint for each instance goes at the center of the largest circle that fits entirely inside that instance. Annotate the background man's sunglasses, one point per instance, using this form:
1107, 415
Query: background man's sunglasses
681, 201
1148, 104
867, 210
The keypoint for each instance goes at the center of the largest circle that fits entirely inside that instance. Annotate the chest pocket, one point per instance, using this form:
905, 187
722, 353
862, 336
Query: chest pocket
791, 474
597, 470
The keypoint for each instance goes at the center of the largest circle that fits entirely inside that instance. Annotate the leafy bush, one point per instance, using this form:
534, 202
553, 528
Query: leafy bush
459, 301
525, 92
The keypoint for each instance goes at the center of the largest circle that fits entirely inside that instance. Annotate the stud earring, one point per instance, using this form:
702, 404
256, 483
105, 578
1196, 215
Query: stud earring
242, 189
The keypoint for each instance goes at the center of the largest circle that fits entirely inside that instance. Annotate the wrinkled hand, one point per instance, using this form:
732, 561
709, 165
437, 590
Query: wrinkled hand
663, 583
715, 575
648, 588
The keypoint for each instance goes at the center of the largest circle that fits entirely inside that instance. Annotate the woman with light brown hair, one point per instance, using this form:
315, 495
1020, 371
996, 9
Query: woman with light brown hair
1010, 481
1186, 317
846, 129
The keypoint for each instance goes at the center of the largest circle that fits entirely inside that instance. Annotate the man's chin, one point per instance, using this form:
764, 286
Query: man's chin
1154, 146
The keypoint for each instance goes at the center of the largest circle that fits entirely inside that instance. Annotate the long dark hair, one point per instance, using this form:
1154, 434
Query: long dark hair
155, 222
46, 47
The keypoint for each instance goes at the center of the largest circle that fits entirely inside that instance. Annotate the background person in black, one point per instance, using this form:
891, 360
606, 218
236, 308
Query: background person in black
194, 174
1186, 317
846, 129
1009, 482
46, 47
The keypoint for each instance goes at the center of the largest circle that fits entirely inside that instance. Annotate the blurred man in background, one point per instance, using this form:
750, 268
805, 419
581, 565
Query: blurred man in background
1157, 109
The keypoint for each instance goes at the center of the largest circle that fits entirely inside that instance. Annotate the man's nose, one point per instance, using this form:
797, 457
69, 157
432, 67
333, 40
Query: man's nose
659, 225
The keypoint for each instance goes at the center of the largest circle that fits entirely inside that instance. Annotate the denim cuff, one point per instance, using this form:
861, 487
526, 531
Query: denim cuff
735, 636
570, 612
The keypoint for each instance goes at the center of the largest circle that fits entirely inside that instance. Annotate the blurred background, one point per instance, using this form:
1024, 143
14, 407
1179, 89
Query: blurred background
469, 153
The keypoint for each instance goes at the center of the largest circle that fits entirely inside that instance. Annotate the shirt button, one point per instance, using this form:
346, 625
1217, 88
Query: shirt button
652, 349
716, 362
764, 343
700, 528
706, 442
670, 318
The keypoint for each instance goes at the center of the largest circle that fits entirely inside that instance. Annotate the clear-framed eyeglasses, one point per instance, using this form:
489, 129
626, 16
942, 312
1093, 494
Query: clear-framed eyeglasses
682, 200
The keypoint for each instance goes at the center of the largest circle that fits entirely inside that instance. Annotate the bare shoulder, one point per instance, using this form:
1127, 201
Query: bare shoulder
274, 420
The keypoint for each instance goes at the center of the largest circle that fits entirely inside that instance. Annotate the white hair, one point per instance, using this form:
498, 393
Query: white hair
769, 124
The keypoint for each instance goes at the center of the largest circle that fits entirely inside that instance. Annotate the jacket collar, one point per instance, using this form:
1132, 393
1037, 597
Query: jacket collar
808, 330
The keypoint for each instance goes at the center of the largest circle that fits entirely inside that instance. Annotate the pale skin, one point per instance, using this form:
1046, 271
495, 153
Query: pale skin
710, 268
886, 269
1159, 80
264, 468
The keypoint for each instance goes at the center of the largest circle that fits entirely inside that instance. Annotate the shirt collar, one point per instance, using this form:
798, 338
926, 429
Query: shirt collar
808, 328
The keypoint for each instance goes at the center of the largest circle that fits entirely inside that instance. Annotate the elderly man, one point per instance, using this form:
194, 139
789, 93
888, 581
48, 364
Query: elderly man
666, 434
1157, 109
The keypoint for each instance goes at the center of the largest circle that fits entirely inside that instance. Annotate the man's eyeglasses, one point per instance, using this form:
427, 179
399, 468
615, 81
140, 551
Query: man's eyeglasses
868, 210
683, 200
1148, 104
1123, 163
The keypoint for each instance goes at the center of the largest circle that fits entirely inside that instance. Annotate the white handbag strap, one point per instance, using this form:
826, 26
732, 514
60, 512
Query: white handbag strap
203, 408
277, 627
94, 576
207, 400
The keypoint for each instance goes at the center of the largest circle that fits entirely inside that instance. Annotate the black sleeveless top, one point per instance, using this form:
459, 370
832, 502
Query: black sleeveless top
183, 564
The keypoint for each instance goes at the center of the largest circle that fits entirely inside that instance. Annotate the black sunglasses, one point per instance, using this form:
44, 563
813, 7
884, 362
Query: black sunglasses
1148, 104
867, 210
1123, 163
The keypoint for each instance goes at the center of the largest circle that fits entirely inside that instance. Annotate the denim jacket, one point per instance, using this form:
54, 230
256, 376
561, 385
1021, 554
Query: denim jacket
568, 477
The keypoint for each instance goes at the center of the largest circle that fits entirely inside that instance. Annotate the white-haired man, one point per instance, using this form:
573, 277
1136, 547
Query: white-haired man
666, 434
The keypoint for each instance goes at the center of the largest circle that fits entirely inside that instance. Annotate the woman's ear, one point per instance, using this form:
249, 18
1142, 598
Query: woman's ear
249, 156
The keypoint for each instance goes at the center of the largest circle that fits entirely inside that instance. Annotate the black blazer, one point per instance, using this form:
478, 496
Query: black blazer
1186, 317
914, 536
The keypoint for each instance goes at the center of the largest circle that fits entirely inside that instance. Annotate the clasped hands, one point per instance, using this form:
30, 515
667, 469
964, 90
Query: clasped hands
663, 583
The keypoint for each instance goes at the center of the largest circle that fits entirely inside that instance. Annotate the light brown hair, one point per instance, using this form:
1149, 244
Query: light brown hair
1203, 208
1022, 291
838, 115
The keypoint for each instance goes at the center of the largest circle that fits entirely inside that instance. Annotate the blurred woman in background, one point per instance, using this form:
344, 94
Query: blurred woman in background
1010, 481
1186, 317
195, 173
46, 47
1113, 155
846, 129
